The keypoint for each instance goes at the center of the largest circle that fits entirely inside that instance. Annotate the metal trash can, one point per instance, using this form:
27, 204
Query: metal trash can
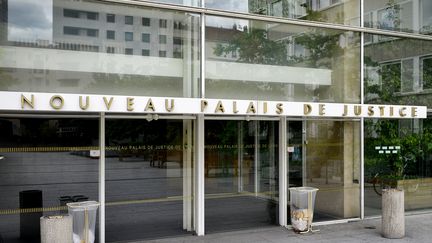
84, 220
30, 204
56, 229
302, 208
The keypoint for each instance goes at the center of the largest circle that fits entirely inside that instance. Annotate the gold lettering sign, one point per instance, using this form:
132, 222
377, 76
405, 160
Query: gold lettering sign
219, 107
321, 110
57, 102
251, 108
307, 109
345, 112
204, 104
402, 112
167, 107
84, 107
357, 110
235, 107
413, 111
279, 108
94, 103
24, 101
370, 111
130, 103
381, 108
108, 103
149, 106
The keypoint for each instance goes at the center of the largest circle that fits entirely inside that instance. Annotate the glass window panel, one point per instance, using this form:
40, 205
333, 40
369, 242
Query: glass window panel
45, 163
269, 61
148, 163
162, 39
163, 23
145, 37
241, 182
111, 18
332, 164
129, 20
71, 13
128, 36
110, 34
397, 71
64, 48
340, 12
426, 73
145, 52
399, 15
398, 154
146, 21
128, 51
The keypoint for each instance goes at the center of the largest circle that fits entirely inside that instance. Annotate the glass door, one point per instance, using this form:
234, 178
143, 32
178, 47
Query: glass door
325, 154
296, 133
148, 178
241, 174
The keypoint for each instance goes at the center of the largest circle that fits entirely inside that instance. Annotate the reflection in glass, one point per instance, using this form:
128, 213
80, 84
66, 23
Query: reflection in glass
332, 164
44, 164
91, 47
398, 154
269, 61
148, 179
397, 71
241, 168
329, 11
399, 15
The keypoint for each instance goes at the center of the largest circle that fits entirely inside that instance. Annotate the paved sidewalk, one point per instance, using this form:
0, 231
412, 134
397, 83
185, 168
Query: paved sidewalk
418, 229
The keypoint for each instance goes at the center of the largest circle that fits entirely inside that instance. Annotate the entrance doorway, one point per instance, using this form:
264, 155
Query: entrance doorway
148, 178
241, 174
325, 154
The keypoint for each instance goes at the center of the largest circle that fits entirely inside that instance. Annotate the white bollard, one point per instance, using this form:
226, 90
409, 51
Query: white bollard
393, 213
55, 229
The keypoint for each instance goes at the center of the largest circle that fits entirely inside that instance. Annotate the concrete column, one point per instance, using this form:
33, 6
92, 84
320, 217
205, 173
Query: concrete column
56, 229
393, 213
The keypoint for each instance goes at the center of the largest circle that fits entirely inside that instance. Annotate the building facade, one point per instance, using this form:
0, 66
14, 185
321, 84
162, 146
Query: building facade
194, 117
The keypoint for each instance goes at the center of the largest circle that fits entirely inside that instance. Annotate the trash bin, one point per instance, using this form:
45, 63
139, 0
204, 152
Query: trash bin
302, 208
84, 220
56, 229
30, 204
64, 200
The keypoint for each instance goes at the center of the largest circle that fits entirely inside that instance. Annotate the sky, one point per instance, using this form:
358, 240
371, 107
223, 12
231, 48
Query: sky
30, 20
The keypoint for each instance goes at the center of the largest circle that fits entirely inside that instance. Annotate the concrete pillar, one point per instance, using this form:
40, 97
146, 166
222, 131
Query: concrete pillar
393, 213
56, 229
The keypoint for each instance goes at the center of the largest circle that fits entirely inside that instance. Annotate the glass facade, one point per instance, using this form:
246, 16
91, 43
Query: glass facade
397, 72
57, 52
413, 16
45, 163
345, 12
250, 60
166, 174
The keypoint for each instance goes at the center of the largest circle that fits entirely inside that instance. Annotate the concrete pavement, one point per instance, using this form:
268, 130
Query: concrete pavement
418, 228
